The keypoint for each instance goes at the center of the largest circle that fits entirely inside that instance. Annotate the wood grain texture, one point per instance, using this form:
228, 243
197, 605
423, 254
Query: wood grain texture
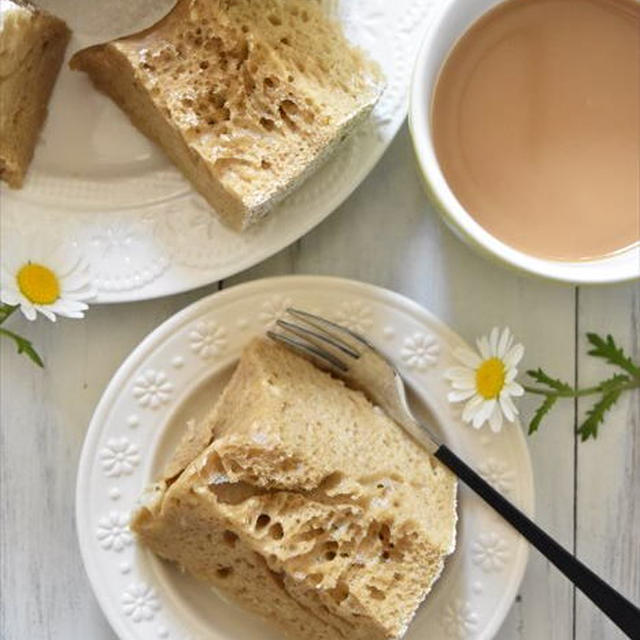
608, 478
386, 234
44, 414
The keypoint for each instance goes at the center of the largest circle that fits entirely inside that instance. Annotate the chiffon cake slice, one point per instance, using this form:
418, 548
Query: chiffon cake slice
305, 503
32, 47
247, 98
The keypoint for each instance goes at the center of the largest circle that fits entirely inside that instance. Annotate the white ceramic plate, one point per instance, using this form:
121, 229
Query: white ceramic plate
99, 184
174, 376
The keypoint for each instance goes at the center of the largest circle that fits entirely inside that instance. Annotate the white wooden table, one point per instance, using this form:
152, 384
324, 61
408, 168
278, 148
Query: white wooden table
588, 495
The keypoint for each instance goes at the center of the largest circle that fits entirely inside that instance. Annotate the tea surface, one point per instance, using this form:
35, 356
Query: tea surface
536, 121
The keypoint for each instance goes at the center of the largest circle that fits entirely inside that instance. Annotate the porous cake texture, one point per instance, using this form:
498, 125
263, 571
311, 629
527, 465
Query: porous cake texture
247, 98
305, 503
32, 47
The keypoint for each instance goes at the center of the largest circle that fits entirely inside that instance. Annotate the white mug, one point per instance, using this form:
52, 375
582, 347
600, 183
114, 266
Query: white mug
452, 19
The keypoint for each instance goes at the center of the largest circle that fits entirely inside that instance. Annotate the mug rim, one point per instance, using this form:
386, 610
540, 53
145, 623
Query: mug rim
616, 267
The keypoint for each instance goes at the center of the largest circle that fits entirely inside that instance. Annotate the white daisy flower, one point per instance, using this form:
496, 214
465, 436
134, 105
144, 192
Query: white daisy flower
39, 278
486, 380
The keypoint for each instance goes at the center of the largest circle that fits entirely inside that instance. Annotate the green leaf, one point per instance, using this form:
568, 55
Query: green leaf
24, 346
541, 412
595, 415
554, 383
615, 381
608, 350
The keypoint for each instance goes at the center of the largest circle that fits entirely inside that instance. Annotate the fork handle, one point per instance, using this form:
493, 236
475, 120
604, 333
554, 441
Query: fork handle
620, 610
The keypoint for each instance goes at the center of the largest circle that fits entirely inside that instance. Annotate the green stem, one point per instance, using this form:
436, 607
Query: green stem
10, 334
579, 393
5, 311
23, 345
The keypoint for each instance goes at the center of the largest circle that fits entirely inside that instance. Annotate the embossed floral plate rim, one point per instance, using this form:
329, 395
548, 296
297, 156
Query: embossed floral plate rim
149, 234
139, 594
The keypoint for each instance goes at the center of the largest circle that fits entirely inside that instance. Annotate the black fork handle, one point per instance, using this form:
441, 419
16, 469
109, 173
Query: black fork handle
620, 610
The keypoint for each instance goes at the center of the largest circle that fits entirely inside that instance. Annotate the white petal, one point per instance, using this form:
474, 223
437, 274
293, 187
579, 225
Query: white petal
484, 412
74, 282
459, 396
10, 297
471, 408
28, 311
483, 347
495, 419
468, 357
75, 315
493, 341
513, 356
464, 382
509, 409
64, 307
505, 341
457, 373
514, 389
47, 313
66, 263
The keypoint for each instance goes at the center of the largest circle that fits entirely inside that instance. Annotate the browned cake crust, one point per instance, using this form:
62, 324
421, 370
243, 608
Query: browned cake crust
303, 502
32, 47
246, 98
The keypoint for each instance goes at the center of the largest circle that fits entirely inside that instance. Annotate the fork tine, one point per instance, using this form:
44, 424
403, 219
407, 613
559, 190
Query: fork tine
308, 349
320, 335
344, 335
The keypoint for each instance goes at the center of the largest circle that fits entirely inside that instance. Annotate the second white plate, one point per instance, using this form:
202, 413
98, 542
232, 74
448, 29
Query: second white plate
99, 185
175, 375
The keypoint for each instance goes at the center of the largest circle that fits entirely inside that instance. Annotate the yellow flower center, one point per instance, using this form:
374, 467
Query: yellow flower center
490, 378
38, 283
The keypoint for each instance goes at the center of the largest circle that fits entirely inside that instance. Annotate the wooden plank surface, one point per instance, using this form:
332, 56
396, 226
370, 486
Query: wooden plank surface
608, 478
387, 234
44, 592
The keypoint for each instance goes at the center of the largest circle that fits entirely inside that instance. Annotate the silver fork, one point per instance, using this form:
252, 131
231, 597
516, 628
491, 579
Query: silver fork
353, 358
